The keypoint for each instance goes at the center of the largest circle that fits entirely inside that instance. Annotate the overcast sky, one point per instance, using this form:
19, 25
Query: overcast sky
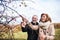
36, 7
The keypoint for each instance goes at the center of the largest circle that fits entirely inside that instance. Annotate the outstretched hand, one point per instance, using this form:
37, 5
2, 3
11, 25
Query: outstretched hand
23, 24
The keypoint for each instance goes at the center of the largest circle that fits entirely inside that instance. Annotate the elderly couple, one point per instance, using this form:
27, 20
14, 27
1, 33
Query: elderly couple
44, 30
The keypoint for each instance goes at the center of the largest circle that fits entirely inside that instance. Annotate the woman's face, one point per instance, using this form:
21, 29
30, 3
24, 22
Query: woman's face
43, 18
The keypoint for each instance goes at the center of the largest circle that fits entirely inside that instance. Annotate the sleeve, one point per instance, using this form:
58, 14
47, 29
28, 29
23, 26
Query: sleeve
52, 32
25, 29
52, 29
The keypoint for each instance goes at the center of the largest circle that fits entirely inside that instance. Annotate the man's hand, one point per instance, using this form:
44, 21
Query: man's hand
23, 24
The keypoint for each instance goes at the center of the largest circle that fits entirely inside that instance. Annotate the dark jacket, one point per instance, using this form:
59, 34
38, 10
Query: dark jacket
32, 34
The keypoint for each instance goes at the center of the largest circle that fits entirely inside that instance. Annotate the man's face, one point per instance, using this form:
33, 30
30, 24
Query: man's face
34, 18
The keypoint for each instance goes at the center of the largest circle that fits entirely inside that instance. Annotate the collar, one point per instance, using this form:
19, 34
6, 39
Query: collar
35, 23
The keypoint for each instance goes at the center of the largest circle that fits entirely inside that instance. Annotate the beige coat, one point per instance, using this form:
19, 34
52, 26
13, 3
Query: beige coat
47, 29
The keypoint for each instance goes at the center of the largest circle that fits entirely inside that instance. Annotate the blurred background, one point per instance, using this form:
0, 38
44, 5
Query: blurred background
11, 9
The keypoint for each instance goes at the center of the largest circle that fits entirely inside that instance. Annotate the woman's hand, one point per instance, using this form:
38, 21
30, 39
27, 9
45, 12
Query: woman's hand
41, 34
42, 37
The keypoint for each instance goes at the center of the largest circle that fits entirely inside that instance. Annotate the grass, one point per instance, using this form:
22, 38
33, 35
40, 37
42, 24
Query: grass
20, 35
23, 35
57, 34
16, 36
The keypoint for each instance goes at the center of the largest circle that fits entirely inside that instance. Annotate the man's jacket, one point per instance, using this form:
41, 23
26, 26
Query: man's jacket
32, 34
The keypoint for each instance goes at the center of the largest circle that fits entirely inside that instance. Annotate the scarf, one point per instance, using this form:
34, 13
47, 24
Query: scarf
44, 25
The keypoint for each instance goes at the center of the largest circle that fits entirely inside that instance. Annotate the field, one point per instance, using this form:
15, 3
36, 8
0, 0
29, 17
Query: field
57, 34
19, 35
23, 36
